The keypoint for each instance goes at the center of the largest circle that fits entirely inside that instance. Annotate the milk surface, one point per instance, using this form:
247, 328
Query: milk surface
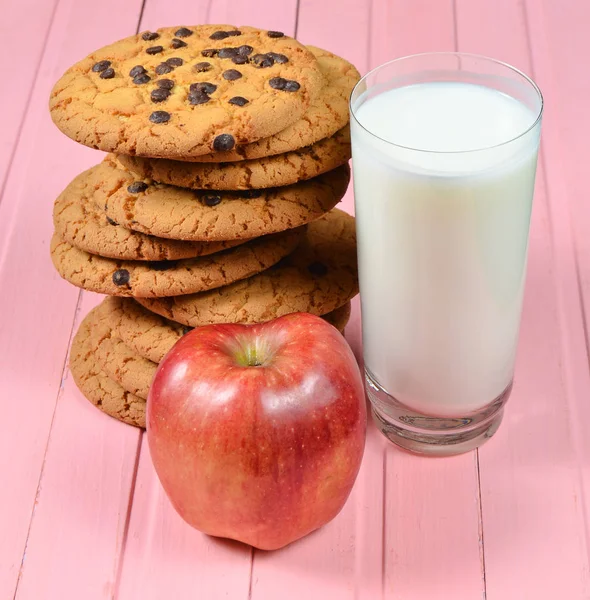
442, 240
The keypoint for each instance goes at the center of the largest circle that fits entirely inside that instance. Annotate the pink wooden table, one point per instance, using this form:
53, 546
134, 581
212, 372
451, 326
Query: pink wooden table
83, 516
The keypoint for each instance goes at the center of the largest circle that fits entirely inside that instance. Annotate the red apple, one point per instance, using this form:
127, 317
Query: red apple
257, 431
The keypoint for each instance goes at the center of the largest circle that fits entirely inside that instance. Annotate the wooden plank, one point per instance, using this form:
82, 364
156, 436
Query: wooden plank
24, 27
278, 16
80, 518
392, 538
534, 524
559, 41
187, 560
166, 558
38, 310
341, 560
433, 543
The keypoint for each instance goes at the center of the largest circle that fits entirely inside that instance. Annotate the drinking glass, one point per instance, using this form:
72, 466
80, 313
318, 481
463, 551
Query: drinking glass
444, 152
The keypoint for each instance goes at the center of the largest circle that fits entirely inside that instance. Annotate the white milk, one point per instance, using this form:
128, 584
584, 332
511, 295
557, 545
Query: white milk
442, 241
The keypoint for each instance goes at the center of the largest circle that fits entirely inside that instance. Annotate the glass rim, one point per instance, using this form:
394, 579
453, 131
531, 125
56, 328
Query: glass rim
458, 54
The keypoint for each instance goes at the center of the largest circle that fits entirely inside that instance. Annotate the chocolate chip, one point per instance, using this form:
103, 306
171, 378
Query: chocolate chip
231, 74
111, 222
197, 97
291, 86
211, 199
278, 58
183, 32
224, 142
277, 83
239, 60
175, 61
154, 49
202, 67
245, 50
275, 34
227, 52
186, 329
161, 265
136, 187
234, 32
287, 85
166, 84
108, 73
262, 61
148, 36
159, 95
218, 35
209, 52
121, 277
160, 116
238, 101
176, 44
317, 268
164, 68
203, 86
141, 78
101, 66
137, 70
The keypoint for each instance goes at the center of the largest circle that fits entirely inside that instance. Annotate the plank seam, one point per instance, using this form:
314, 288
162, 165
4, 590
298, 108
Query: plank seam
297, 9
139, 19
369, 63
455, 27
119, 559
64, 376
28, 101
251, 582
480, 528
383, 523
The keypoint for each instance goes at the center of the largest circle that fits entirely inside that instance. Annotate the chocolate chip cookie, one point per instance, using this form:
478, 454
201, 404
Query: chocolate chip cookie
327, 114
271, 171
97, 387
179, 213
151, 336
80, 222
320, 276
170, 278
181, 92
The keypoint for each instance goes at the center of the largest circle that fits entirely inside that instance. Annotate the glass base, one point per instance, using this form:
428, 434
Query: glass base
427, 434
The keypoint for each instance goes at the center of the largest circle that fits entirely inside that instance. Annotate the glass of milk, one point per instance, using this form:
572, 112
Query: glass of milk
444, 152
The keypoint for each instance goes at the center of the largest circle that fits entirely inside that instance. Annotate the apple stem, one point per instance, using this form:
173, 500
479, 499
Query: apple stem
252, 357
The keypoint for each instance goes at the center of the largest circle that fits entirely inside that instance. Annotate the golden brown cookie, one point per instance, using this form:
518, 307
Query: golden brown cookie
182, 92
179, 213
339, 317
151, 336
97, 387
131, 371
259, 173
327, 114
170, 278
320, 276
80, 222
146, 333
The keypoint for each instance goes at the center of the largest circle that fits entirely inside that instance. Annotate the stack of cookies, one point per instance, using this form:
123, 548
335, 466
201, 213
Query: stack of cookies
228, 151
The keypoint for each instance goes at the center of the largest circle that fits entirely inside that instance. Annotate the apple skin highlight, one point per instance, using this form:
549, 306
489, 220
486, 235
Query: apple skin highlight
257, 431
